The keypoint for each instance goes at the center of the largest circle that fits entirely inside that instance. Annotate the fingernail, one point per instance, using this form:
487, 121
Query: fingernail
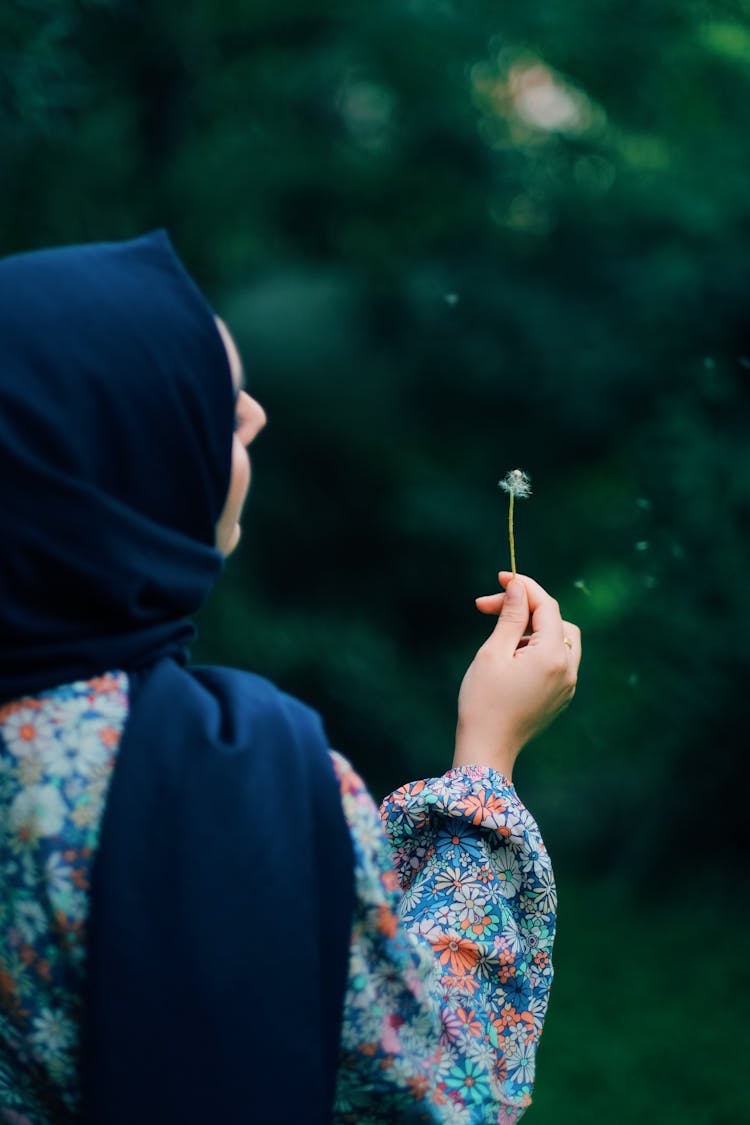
514, 591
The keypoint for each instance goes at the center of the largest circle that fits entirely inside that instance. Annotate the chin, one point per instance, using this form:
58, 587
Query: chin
234, 539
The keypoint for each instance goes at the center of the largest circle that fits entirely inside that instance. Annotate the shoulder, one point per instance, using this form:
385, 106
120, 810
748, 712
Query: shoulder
229, 705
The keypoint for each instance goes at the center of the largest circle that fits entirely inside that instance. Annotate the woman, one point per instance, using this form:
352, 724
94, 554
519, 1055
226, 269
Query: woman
202, 916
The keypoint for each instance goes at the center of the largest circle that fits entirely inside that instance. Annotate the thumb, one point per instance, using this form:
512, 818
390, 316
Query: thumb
514, 615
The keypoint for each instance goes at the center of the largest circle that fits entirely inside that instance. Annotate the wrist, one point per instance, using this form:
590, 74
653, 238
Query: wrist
472, 750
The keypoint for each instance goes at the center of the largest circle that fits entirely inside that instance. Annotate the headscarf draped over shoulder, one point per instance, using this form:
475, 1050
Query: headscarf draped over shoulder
222, 895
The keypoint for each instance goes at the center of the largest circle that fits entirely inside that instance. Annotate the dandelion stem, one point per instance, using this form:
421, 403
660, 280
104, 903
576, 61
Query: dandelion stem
511, 536
515, 483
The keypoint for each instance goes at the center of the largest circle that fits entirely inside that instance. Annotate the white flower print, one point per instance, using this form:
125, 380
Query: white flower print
507, 872
452, 1113
469, 904
76, 751
545, 899
455, 878
26, 731
537, 1005
30, 920
30, 769
521, 1063
534, 860
58, 874
37, 811
410, 898
53, 1033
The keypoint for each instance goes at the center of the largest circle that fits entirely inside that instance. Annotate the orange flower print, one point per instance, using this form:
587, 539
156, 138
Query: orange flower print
27, 953
485, 808
541, 958
102, 685
387, 921
466, 983
470, 1021
9, 709
418, 1086
508, 1018
411, 790
461, 955
479, 925
389, 879
80, 878
7, 984
440, 1094
500, 1069
10, 998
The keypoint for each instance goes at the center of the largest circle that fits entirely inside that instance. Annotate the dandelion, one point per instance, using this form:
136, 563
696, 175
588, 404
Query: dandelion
515, 483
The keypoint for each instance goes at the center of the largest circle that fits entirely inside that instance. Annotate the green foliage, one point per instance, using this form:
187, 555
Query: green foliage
450, 239
646, 1020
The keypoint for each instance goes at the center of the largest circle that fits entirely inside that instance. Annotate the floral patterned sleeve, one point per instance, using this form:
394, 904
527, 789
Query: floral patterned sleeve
450, 956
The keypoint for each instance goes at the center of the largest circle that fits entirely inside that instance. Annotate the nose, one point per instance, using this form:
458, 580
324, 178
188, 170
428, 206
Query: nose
251, 418
260, 417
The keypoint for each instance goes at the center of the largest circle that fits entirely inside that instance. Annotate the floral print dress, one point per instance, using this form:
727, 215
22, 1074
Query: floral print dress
449, 969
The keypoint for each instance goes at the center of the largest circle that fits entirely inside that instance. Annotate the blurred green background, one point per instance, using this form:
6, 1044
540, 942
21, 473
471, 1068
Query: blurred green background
453, 237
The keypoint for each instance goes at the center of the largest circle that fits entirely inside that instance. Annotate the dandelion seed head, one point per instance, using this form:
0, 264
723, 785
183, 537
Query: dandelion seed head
516, 483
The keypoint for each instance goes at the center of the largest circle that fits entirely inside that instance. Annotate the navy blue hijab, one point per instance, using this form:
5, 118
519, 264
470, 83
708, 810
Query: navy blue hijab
116, 424
222, 886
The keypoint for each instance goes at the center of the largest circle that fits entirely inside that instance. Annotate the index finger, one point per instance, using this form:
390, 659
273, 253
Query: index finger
546, 619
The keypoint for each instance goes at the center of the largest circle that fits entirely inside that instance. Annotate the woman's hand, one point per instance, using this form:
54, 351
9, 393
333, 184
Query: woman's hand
521, 678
